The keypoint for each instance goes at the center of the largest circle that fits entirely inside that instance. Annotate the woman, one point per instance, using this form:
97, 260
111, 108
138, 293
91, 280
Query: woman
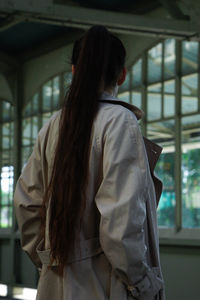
97, 236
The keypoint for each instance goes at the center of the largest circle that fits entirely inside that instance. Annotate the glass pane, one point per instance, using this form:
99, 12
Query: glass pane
162, 133
47, 96
56, 92
189, 93
45, 118
6, 136
10, 209
11, 134
169, 58
6, 111
67, 81
6, 129
137, 99
154, 103
6, 157
126, 85
189, 57
26, 131
32, 107
169, 98
26, 153
35, 105
12, 112
4, 195
124, 97
7, 174
34, 128
7, 180
5, 142
155, 64
28, 109
137, 74
191, 171
5, 217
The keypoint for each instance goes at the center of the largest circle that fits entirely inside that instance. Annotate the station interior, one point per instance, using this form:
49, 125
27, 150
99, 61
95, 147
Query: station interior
161, 38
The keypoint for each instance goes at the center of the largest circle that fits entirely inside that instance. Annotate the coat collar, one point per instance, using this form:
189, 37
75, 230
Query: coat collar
109, 98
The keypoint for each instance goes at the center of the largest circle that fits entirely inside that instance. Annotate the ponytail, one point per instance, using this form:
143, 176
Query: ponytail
97, 67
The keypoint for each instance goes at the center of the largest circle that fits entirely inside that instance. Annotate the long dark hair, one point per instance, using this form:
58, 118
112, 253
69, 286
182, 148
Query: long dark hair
98, 58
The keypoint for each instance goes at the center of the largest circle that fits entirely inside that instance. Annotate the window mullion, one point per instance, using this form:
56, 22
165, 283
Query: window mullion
198, 88
144, 93
40, 106
52, 94
130, 85
162, 80
178, 177
61, 95
0, 159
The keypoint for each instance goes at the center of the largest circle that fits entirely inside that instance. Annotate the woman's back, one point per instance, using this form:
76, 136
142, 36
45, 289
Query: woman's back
99, 239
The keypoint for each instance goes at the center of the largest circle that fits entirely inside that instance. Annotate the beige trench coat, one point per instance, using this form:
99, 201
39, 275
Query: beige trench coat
118, 257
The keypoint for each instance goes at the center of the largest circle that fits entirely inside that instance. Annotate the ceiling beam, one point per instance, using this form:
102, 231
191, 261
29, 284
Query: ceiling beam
83, 18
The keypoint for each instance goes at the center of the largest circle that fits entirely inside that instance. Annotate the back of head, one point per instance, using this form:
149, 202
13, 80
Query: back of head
98, 58
102, 54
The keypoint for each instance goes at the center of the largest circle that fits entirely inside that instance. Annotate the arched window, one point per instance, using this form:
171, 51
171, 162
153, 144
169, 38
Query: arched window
165, 84
37, 112
6, 163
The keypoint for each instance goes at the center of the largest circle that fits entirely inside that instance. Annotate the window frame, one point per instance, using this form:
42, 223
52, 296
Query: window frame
176, 235
40, 114
10, 163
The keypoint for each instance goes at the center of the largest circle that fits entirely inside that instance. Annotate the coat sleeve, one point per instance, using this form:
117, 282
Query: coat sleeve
28, 199
121, 200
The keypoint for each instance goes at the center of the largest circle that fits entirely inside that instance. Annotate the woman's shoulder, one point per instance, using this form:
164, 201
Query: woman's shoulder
112, 112
52, 122
114, 121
